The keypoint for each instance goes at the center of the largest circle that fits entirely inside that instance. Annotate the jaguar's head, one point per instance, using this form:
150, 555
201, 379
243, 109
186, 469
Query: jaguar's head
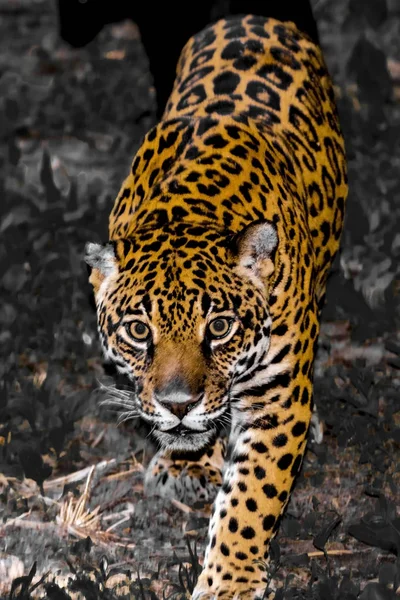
184, 314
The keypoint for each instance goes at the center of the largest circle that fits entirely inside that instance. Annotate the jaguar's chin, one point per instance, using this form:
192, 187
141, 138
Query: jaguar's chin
183, 439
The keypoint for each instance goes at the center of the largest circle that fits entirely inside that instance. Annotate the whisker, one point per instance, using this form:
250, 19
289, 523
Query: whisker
124, 402
153, 427
121, 403
118, 412
112, 388
126, 416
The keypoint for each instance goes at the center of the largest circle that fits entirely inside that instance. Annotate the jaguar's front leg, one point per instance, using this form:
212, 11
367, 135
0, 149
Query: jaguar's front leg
271, 426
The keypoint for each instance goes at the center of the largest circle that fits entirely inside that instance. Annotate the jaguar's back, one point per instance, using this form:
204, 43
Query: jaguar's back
246, 88
209, 293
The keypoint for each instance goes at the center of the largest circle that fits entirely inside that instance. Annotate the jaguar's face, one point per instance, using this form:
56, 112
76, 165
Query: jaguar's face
185, 325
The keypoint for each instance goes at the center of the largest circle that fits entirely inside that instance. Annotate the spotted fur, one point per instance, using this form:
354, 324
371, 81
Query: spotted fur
232, 210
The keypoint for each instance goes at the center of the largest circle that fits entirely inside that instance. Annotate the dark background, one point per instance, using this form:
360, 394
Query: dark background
70, 122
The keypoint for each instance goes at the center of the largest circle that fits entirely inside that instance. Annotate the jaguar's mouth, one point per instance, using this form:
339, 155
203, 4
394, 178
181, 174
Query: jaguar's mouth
182, 438
182, 431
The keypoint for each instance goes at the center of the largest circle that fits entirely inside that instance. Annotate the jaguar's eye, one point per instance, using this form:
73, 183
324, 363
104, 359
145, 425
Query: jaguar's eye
219, 328
139, 331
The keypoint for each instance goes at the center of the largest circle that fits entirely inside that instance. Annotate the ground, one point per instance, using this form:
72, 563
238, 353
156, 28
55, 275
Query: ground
72, 505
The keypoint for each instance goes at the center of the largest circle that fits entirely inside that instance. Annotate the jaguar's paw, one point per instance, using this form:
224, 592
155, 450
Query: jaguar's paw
211, 588
182, 480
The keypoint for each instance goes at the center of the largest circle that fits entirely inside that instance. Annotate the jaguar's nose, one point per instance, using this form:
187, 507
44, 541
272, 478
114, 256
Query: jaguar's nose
177, 397
180, 409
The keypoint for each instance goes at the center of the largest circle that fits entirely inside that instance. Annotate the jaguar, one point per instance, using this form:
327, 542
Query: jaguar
210, 288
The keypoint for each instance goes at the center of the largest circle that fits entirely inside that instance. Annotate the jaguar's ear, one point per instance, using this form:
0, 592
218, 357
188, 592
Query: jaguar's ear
102, 260
255, 251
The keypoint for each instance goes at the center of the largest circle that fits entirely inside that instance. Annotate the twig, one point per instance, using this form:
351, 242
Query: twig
138, 468
18, 522
74, 514
123, 520
98, 439
318, 553
183, 507
79, 475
